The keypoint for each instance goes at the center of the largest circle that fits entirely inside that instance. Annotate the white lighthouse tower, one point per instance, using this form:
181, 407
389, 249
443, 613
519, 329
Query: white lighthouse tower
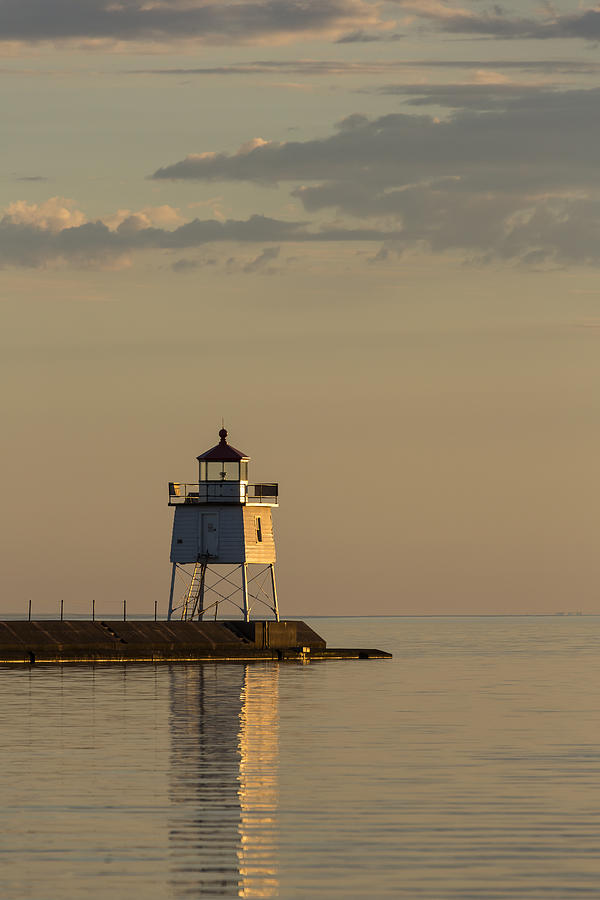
223, 547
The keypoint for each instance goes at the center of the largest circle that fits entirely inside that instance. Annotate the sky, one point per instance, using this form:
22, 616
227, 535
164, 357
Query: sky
365, 234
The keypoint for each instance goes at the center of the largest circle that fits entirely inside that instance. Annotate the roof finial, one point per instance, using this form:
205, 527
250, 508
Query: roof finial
223, 431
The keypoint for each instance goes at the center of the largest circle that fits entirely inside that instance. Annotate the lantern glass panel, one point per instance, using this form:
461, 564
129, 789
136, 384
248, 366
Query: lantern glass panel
222, 471
232, 471
213, 471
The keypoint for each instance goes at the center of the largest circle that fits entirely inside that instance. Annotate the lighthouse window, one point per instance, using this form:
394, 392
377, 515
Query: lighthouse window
244, 471
222, 471
258, 529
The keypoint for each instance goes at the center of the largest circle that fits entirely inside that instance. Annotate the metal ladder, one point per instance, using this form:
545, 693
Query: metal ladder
193, 602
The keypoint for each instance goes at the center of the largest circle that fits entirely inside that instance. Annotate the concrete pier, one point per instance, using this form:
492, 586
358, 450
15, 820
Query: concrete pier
55, 641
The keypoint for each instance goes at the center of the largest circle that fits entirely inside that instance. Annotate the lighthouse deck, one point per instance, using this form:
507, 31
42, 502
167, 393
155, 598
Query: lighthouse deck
102, 641
223, 492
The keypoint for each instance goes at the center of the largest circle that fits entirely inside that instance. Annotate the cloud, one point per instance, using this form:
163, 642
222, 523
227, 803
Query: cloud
493, 93
583, 24
382, 255
262, 262
368, 37
55, 233
534, 138
53, 215
481, 226
508, 174
162, 216
216, 22
185, 265
438, 216
314, 67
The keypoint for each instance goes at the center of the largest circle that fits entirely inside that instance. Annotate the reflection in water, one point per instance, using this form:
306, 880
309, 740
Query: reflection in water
258, 782
223, 781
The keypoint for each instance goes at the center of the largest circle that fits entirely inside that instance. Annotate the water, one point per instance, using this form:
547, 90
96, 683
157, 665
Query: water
466, 767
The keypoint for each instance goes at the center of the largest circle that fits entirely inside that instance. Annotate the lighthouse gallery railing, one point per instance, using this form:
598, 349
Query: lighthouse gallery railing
222, 492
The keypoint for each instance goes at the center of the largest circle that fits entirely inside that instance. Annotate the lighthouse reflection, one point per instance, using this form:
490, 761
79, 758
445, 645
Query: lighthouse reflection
223, 782
258, 782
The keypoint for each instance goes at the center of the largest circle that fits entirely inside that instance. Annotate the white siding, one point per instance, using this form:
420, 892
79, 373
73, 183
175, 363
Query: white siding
237, 534
231, 534
259, 551
184, 543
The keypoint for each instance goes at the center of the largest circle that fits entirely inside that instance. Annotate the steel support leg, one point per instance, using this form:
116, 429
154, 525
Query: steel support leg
245, 591
170, 613
274, 587
201, 592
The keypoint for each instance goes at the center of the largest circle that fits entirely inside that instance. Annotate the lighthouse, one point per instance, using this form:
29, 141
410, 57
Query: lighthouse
222, 547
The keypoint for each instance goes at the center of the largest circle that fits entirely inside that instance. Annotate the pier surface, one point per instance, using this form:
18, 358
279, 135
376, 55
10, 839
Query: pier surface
55, 641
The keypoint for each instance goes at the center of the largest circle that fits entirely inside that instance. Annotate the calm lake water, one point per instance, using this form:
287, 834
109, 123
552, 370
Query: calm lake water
466, 767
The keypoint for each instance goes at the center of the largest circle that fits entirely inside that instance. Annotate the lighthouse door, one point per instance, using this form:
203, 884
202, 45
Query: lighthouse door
210, 535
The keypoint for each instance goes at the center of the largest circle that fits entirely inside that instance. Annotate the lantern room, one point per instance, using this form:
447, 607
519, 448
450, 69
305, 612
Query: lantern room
223, 478
223, 463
